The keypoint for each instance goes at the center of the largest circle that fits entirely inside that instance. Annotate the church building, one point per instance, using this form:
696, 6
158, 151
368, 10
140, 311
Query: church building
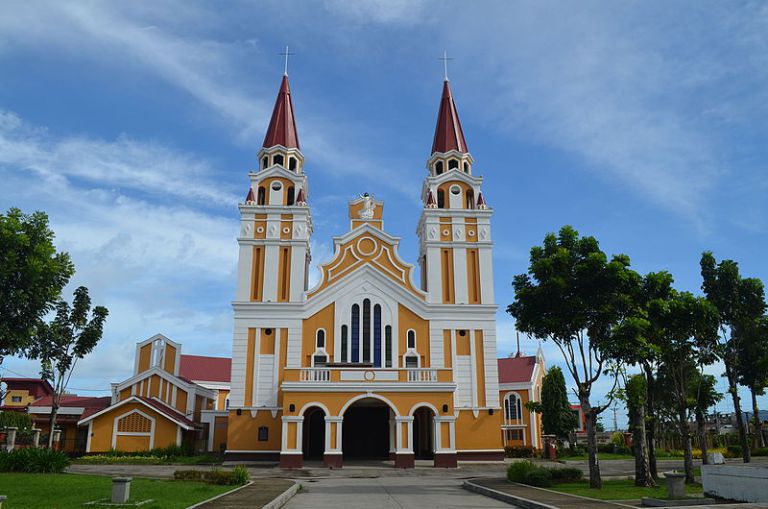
370, 362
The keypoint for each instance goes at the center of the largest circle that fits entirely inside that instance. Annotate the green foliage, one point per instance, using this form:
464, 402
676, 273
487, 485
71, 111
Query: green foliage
762, 451
517, 470
240, 475
32, 275
734, 451
526, 472
12, 419
237, 476
567, 474
557, 417
617, 439
33, 460
519, 451
104, 459
540, 477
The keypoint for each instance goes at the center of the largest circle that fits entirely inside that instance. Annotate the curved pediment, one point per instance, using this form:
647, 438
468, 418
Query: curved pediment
366, 246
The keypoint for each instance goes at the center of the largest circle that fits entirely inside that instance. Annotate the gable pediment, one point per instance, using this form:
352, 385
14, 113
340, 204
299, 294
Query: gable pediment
367, 246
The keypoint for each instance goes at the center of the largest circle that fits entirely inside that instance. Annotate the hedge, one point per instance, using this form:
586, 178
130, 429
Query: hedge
33, 460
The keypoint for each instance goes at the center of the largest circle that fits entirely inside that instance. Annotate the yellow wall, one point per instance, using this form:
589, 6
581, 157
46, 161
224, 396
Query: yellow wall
478, 433
103, 425
219, 433
26, 398
407, 319
145, 356
221, 401
242, 431
323, 319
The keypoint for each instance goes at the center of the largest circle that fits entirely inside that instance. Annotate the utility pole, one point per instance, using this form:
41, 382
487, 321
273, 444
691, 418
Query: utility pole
615, 422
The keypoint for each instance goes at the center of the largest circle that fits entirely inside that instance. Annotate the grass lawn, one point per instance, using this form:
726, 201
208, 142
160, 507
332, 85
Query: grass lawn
69, 491
621, 490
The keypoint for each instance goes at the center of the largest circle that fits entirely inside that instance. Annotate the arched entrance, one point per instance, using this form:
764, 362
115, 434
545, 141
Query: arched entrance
366, 430
313, 434
424, 434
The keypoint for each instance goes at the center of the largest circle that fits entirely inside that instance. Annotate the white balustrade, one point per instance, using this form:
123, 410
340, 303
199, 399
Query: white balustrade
315, 375
422, 375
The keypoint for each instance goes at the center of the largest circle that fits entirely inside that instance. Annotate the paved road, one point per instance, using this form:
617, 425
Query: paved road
388, 492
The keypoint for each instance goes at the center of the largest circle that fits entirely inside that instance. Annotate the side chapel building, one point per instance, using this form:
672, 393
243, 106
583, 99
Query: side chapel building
369, 363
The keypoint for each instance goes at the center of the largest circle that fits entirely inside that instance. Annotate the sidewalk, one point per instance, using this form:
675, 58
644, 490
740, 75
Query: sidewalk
260, 493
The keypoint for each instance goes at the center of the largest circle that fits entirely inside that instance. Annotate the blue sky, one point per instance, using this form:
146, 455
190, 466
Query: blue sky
134, 126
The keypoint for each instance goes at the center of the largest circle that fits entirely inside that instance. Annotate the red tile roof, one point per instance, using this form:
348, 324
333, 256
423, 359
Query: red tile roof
282, 126
516, 369
448, 133
37, 387
205, 369
166, 410
75, 401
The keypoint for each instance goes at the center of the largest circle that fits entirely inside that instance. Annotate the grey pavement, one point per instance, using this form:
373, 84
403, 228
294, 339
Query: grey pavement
387, 492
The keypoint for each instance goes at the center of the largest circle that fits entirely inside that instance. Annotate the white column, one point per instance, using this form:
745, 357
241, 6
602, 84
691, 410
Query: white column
271, 264
244, 268
451, 420
434, 274
299, 420
328, 421
298, 259
399, 420
460, 274
486, 274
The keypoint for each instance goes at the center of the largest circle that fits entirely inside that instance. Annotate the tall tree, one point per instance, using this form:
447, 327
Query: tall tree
688, 327
640, 345
574, 296
753, 365
32, 275
704, 396
637, 397
70, 336
739, 301
557, 417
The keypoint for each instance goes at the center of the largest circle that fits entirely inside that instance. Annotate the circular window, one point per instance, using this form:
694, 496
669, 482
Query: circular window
446, 232
260, 229
455, 190
286, 230
276, 186
268, 332
471, 233
462, 333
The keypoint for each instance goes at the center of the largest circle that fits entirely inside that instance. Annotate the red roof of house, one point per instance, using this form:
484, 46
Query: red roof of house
516, 369
165, 409
282, 126
205, 369
38, 387
90, 404
448, 133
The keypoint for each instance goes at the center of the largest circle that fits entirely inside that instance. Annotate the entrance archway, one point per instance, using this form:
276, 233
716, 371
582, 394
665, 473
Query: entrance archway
366, 430
424, 434
313, 434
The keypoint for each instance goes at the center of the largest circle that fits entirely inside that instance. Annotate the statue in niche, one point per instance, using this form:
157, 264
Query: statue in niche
368, 207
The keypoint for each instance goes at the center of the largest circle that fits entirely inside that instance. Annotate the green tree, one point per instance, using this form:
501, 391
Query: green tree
636, 390
32, 275
557, 417
739, 302
687, 329
752, 354
70, 336
704, 396
574, 296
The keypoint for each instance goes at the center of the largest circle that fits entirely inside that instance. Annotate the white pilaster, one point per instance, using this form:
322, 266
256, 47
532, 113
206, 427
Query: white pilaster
271, 264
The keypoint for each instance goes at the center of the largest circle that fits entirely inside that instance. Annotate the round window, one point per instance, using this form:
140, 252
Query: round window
276, 186
455, 190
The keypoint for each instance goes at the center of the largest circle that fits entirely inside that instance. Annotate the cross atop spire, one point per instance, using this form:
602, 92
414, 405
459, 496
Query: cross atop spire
286, 54
448, 133
282, 126
445, 59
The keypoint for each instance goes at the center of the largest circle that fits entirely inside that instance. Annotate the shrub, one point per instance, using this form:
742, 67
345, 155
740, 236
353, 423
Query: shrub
33, 460
240, 475
518, 470
237, 476
12, 419
617, 439
733, 451
605, 448
541, 477
101, 459
519, 451
762, 451
567, 474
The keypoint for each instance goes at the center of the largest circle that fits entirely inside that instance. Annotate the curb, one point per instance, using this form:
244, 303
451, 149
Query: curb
199, 504
505, 497
283, 498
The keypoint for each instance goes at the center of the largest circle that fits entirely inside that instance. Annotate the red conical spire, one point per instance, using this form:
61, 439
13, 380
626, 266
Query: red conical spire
431, 203
448, 133
250, 198
282, 126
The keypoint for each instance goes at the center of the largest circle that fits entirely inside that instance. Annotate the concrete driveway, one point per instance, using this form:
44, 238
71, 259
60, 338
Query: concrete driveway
387, 492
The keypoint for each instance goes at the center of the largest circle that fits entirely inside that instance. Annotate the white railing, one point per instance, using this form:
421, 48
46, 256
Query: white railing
422, 375
315, 375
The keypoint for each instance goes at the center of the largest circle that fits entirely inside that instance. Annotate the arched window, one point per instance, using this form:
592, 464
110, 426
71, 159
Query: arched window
264, 162
412, 339
292, 163
366, 330
439, 168
377, 336
261, 195
453, 164
344, 346
355, 333
320, 357
470, 199
320, 339
466, 167
388, 345
440, 199
513, 407
291, 195
278, 159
